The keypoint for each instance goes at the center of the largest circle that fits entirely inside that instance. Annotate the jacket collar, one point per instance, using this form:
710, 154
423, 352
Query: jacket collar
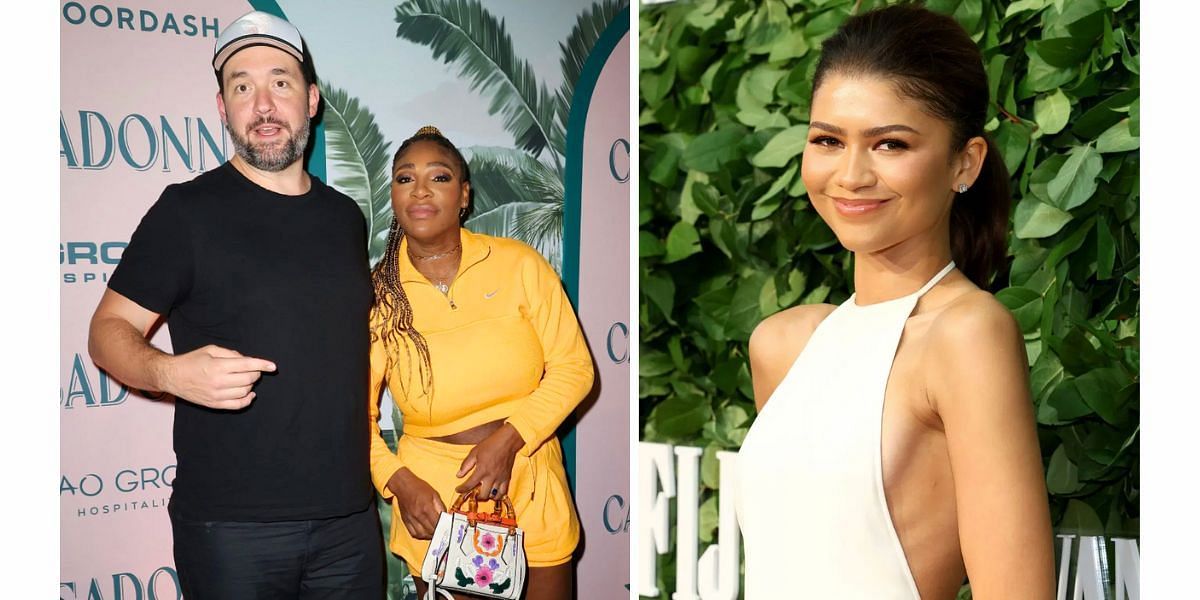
475, 248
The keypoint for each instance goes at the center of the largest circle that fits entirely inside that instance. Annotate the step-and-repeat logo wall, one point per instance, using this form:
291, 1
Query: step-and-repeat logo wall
137, 112
602, 297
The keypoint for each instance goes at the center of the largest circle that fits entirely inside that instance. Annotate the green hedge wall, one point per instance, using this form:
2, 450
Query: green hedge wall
727, 236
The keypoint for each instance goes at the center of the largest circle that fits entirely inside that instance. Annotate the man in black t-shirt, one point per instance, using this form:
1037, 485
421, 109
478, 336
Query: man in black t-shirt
261, 273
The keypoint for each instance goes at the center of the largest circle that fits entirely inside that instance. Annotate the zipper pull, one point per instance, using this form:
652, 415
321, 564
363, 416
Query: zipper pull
453, 306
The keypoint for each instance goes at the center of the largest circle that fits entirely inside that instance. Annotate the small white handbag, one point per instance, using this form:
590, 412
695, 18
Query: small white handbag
474, 552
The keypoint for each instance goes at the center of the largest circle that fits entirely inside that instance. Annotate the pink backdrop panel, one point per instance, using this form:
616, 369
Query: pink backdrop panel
137, 112
602, 446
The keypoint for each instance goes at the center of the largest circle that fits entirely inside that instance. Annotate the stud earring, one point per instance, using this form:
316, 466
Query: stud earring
962, 188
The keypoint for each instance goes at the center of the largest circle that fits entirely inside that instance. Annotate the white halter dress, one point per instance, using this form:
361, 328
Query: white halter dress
809, 491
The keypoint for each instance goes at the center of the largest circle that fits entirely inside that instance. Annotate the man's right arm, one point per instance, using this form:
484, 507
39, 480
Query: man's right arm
210, 376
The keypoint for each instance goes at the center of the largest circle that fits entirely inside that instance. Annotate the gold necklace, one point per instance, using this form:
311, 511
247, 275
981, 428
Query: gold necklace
440, 284
434, 256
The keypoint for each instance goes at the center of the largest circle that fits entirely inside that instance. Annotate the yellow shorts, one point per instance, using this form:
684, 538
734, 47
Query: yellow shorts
538, 490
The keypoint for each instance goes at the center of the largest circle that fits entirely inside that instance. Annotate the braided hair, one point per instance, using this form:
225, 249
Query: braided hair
392, 314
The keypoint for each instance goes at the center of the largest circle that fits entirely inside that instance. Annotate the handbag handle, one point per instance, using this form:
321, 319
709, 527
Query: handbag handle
502, 514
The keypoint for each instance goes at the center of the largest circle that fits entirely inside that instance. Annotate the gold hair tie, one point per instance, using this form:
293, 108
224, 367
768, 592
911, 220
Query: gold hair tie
429, 130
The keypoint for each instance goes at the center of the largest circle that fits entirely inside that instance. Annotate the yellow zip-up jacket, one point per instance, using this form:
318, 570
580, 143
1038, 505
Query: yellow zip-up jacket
504, 343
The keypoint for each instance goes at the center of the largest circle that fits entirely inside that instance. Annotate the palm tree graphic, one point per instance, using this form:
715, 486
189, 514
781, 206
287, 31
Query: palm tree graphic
518, 191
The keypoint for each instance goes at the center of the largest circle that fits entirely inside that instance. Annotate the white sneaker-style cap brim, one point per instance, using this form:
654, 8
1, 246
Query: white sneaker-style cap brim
257, 28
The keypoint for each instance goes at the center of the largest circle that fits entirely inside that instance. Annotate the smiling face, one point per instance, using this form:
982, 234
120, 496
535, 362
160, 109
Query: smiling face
428, 192
880, 170
266, 107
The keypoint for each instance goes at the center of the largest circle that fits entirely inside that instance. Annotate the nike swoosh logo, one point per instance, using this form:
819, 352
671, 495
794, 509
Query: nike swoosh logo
488, 296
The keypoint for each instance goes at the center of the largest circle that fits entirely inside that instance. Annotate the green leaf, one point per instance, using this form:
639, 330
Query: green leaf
1072, 243
824, 23
1063, 52
464, 33
1035, 219
697, 197
1025, 5
691, 63
783, 147
707, 520
538, 224
814, 234
1025, 304
679, 417
503, 175
649, 245
709, 151
1051, 112
357, 147
652, 363
1135, 118
1104, 114
744, 312
761, 82
661, 291
789, 45
707, 14
1117, 138
1076, 182
817, 295
1065, 404
768, 298
1105, 390
1046, 171
682, 242
770, 201
589, 26
1047, 372
1012, 139
1080, 519
1025, 264
649, 58
666, 161
1041, 76
1106, 250
710, 471
1062, 477
795, 287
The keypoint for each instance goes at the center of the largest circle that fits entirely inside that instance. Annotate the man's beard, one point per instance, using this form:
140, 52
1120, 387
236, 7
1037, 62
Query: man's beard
266, 156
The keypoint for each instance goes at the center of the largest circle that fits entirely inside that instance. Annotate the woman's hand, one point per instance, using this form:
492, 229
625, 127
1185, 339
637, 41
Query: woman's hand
419, 503
490, 463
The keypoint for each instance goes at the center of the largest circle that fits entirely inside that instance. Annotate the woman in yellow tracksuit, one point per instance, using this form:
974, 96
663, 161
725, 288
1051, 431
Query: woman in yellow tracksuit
484, 358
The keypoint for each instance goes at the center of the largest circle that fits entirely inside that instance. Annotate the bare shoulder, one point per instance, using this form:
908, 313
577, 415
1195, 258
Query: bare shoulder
975, 321
777, 341
976, 351
788, 329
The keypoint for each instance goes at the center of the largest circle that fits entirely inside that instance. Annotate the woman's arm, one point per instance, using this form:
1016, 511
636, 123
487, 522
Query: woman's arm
979, 386
420, 506
568, 364
384, 463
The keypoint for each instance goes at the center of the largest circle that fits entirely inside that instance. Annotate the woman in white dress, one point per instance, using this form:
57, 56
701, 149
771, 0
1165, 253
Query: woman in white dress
896, 449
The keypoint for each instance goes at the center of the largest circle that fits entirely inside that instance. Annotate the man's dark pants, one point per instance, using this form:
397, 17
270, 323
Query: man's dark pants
334, 558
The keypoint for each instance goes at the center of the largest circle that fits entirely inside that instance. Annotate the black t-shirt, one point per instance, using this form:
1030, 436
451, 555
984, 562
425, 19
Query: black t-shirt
279, 277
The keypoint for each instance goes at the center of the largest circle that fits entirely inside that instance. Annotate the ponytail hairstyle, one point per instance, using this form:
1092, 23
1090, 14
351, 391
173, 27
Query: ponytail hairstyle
392, 314
929, 58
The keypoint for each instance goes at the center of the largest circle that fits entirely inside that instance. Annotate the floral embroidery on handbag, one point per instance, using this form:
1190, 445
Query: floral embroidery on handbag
490, 562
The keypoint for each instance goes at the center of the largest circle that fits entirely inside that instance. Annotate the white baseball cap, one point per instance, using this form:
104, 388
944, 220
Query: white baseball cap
257, 28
